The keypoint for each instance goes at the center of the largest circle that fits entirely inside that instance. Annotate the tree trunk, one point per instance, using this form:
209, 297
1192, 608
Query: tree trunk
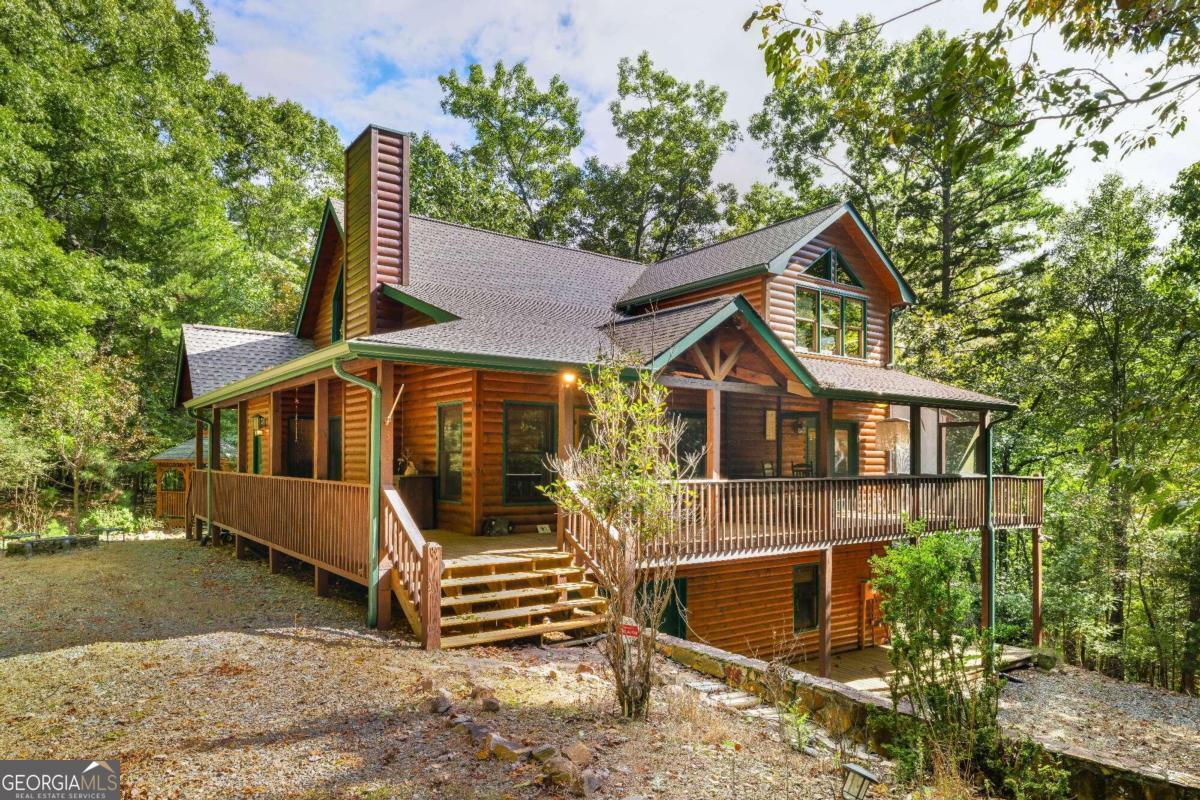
947, 237
1191, 634
74, 500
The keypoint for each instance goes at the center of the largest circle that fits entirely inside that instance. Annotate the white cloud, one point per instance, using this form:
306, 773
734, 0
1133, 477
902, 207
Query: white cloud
360, 61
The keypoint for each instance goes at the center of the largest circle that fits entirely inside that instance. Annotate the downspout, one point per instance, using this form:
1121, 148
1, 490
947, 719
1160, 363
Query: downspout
989, 497
207, 423
373, 451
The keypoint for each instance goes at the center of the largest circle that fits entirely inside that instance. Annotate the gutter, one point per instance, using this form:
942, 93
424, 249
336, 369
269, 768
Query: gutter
207, 423
373, 451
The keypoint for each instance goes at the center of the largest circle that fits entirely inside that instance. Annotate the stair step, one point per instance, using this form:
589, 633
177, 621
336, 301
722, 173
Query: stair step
524, 612
513, 594
484, 565
497, 578
561, 572
483, 637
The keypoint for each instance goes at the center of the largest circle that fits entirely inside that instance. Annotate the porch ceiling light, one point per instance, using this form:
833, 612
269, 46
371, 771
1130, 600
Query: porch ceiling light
568, 378
858, 781
890, 433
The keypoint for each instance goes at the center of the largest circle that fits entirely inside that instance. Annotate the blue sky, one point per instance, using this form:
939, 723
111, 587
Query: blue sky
361, 61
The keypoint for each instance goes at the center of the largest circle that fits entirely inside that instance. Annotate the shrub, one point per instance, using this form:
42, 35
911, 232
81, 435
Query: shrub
118, 518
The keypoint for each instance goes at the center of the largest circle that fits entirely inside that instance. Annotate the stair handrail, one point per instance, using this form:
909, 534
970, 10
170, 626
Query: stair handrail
417, 565
578, 544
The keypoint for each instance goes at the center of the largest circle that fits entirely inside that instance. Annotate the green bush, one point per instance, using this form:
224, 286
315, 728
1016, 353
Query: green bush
54, 528
118, 518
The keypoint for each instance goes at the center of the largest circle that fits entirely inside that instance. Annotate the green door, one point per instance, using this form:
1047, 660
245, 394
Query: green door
256, 466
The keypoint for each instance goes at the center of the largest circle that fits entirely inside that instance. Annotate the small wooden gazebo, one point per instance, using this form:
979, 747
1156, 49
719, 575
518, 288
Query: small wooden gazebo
173, 475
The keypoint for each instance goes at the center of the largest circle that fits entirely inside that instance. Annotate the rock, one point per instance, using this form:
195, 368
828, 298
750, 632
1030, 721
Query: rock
544, 752
478, 734
480, 691
591, 781
490, 704
559, 770
458, 721
440, 703
503, 749
578, 753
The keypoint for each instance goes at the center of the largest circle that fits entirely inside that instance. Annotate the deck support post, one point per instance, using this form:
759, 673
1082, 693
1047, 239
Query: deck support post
214, 463
274, 560
914, 439
244, 436
826, 611
321, 581
383, 615
431, 597
824, 460
1036, 542
987, 560
713, 460
240, 550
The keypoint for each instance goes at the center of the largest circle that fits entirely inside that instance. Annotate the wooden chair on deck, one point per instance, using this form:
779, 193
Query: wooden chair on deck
800, 470
768, 469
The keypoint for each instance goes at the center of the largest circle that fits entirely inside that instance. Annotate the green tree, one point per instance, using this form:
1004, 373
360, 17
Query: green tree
524, 137
453, 187
662, 198
765, 204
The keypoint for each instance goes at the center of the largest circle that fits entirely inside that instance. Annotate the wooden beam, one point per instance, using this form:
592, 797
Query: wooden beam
730, 361
245, 438
274, 560
240, 549
321, 429
566, 417
825, 439
276, 434
199, 448
680, 382
702, 361
1036, 541
385, 376
826, 622
713, 443
321, 581
476, 449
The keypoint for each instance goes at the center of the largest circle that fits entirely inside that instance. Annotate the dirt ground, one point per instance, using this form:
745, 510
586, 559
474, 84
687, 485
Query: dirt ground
211, 678
1078, 707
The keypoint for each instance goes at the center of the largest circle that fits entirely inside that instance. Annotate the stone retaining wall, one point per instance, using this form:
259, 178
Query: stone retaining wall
844, 712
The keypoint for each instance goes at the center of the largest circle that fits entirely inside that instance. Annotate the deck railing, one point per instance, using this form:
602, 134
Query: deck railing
172, 504
412, 568
322, 522
725, 518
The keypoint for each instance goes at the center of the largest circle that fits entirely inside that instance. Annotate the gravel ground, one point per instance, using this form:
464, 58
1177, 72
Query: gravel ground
211, 678
1083, 708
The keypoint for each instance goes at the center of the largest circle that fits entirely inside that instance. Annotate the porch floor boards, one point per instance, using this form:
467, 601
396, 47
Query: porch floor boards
461, 545
867, 670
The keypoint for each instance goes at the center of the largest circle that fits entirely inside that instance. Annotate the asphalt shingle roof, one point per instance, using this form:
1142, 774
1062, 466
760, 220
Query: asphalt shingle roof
731, 255
186, 451
653, 333
888, 382
219, 356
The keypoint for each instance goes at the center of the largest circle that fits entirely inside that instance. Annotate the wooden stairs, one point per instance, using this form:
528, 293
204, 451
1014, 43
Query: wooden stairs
513, 594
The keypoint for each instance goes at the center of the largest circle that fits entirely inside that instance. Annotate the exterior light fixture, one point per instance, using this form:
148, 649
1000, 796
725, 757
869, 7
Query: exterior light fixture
858, 782
892, 432
568, 378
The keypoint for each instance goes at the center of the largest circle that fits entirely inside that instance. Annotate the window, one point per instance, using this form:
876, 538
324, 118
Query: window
958, 442
450, 451
806, 597
693, 441
333, 459
528, 441
845, 448
831, 266
583, 427
829, 323
338, 308
806, 318
171, 481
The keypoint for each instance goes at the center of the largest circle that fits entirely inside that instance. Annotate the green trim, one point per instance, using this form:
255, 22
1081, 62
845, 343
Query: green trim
375, 480
703, 283
312, 264
337, 308
435, 313
438, 456
853, 445
780, 262
504, 451
906, 292
180, 355
318, 359
834, 260
207, 423
929, 402
843, 296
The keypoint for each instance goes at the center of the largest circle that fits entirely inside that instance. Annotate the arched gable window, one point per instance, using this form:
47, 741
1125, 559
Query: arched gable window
831, 266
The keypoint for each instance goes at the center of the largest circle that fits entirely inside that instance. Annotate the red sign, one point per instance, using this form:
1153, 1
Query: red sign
629, 631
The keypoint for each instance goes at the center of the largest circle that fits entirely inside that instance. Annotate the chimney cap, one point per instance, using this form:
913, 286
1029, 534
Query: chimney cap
383, 129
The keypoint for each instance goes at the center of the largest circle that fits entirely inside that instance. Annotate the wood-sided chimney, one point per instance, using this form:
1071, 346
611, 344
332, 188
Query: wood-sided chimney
376, 227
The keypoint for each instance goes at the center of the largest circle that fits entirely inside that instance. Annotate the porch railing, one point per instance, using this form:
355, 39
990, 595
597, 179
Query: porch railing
172, 504
322, 522
412, 568
724, 518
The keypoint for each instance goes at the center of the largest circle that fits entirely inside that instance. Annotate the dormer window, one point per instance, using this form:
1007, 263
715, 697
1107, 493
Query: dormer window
338, 304
835, 321
831, 266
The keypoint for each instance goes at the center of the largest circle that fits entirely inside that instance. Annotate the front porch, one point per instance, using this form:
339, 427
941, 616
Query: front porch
868, 670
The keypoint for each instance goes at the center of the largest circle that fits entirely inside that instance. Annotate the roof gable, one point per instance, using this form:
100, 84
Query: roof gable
321, 261
212, 356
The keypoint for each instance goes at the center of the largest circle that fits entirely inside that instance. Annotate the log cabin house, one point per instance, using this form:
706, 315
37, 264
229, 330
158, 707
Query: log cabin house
432, 369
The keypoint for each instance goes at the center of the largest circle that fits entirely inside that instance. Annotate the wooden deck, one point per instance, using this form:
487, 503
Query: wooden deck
867, 670
460, 545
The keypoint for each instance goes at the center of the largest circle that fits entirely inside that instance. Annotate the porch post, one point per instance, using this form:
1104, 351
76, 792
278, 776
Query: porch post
386, 377
713, 426
987, 560
321, 429
826, 611
214, 440
566, 416
914, 439
824, 462
276, 434
198, 461
244, 436
1036, 540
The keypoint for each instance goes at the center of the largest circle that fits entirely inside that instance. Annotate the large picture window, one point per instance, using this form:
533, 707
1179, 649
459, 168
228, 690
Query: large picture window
528, 441
450, 451
806, 597
829, 323
958, 442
